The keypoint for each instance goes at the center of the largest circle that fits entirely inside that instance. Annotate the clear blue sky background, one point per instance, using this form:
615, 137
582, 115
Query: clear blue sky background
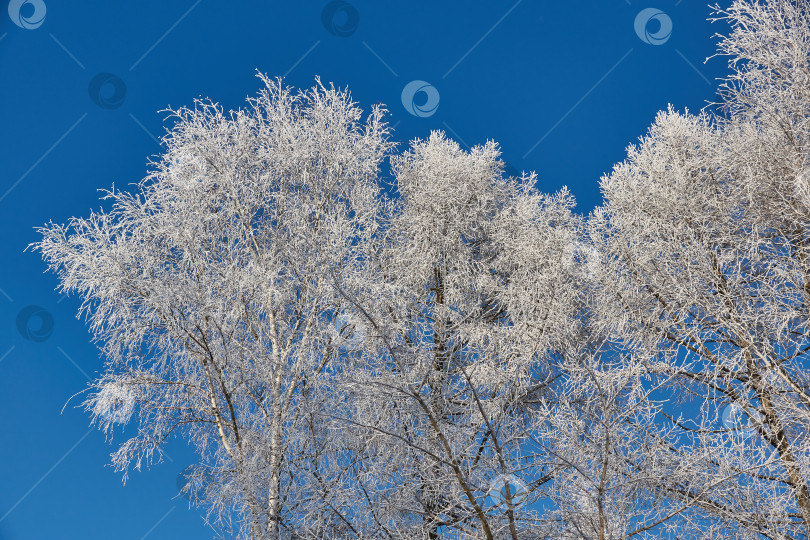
564, 87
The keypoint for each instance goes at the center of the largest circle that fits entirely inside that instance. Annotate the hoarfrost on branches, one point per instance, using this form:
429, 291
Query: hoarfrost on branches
114, 403
352, 359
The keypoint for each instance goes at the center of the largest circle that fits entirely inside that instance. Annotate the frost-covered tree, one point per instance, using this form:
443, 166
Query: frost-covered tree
472, 296
703, 240
462, 356
211, 292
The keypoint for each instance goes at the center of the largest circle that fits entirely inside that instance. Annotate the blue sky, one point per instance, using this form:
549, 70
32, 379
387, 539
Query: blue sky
564, 87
